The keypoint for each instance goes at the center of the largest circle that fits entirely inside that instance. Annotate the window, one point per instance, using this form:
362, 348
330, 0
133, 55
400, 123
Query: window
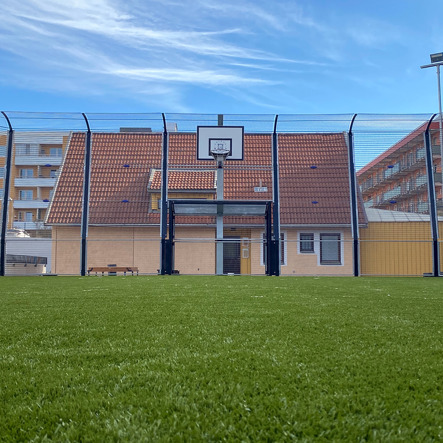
53, 173
264, 249
330, 249
307, 243
420, 153
26, 173
28, 217
55, 152
26, 148
282, 249
26, 194
2, 172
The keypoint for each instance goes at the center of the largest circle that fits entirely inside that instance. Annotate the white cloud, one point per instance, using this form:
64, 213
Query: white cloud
97, 44
169, 46
206, 77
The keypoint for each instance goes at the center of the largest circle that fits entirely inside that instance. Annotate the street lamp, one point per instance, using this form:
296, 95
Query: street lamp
437, 61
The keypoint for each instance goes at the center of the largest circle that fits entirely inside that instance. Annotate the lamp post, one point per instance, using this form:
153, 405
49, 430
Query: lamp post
437, 61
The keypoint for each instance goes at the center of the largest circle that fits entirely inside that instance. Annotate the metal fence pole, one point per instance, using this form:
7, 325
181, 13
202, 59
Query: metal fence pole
432, 201
164, 199
276, 202
5, 203
85, 207
353, 200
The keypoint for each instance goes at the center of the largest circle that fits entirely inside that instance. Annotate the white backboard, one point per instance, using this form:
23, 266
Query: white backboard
232, 136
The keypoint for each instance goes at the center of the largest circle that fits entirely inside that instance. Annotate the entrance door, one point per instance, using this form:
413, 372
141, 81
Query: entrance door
231, 255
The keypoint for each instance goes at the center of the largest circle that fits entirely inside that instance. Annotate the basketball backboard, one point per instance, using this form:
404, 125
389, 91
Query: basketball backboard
214, 139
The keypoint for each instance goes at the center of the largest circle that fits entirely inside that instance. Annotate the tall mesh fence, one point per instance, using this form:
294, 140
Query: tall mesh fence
109, 212
393, 177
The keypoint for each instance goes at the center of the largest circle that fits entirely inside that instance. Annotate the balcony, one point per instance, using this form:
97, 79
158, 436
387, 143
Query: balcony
30, 226
389, 195
395, 171
22, 159
31, 204
422, 207
436, 151
34, 182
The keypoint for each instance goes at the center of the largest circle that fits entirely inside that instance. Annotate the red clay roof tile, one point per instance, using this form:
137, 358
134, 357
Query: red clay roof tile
124, 166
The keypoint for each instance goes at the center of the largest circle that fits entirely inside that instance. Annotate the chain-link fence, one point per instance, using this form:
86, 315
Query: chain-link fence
152, 193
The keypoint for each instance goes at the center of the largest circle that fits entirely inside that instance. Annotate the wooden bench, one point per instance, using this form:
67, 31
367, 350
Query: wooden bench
113, 269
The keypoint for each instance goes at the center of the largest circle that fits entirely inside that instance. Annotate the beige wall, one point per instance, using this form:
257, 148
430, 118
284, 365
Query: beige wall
136, 246
304, 264
65, 250
106, 245
193, 257
309, 264
140, 247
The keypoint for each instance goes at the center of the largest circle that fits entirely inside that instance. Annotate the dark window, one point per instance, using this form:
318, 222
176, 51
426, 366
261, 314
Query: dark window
330, 249
282, 249
306, 242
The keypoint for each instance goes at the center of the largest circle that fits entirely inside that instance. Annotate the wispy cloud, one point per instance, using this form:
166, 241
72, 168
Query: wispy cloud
146, 48
93, 44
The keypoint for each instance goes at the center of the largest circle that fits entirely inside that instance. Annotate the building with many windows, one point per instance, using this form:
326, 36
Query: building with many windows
397, 179
36, 160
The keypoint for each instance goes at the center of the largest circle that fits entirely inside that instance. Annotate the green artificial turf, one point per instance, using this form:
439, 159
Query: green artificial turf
176, 358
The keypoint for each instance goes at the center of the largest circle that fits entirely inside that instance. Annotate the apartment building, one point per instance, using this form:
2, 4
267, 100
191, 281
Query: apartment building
36, 160
397, 179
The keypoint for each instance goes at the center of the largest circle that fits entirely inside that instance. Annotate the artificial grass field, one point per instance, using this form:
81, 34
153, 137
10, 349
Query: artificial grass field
176, 358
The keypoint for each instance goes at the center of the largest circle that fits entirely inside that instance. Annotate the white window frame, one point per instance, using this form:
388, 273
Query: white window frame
55, 152
300, 241
26, 193
317, 234
26, 173
340, 252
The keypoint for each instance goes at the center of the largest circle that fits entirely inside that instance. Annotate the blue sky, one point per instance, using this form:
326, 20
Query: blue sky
220, 56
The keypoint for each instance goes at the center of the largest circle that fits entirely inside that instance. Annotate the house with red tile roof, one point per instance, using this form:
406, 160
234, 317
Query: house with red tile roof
124, 212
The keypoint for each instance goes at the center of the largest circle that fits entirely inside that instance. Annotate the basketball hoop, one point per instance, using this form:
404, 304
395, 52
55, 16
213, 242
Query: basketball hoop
220, 148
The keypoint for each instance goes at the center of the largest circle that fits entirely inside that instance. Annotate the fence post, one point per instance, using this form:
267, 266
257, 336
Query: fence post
275, 255
85, 206
164, 199
353, 200
432, 201
5, 203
